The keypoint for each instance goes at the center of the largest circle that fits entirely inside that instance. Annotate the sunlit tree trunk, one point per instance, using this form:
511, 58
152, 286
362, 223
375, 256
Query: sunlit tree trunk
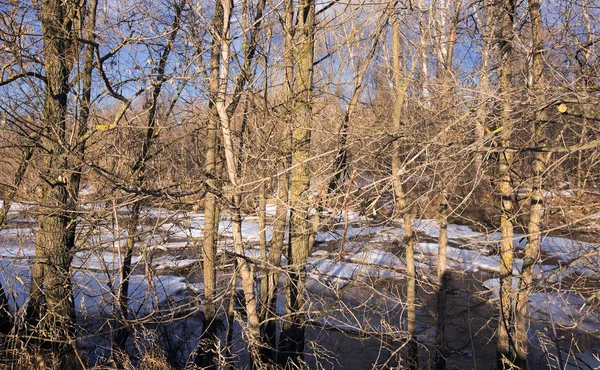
401, 82
208, 340
84, 102
424, 32
246, 270
441, 352
262, 242
505, 320
292, 337
532, 248
280, 224
485, 93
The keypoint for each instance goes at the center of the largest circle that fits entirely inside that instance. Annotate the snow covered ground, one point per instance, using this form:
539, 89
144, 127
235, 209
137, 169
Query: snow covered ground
164, 249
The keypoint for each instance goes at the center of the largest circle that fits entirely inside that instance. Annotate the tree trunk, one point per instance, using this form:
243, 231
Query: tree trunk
401, 201
208, 340
84, 104
280, 225
445, 184
262, 236
292, 337
505, 342
441, 353
484, 94
532, 248
51, 278
246, 270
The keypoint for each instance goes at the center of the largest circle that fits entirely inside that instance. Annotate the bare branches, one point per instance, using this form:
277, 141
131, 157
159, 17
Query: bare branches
18, 76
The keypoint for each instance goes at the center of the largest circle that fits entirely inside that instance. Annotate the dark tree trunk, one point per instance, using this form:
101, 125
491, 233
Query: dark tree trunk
51, 278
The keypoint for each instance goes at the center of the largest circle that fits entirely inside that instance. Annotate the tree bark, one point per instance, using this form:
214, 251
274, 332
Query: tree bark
262, 236
291, 344
207, 347
532, 248
505, 342
246, 270
441, 353
444, 71
401, 199
51, 278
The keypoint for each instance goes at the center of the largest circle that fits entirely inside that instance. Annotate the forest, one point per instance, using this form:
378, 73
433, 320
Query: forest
299, 184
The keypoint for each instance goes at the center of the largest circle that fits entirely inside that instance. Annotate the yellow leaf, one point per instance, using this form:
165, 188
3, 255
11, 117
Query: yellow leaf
105, 127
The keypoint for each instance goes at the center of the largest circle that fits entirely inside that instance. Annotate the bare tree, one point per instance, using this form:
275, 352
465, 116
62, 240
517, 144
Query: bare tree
138, 172
51, 300
505, 322
212, 169
532, 249
280, 224
402, 204
291, 345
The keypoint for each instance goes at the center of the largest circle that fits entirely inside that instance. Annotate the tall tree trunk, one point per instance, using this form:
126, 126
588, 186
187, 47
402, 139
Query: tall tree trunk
280, 225
446, 50
84, 102
51, 279
292, 337
532, 248
208, 339
246, 270
505, 320
401, 82
424, 26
